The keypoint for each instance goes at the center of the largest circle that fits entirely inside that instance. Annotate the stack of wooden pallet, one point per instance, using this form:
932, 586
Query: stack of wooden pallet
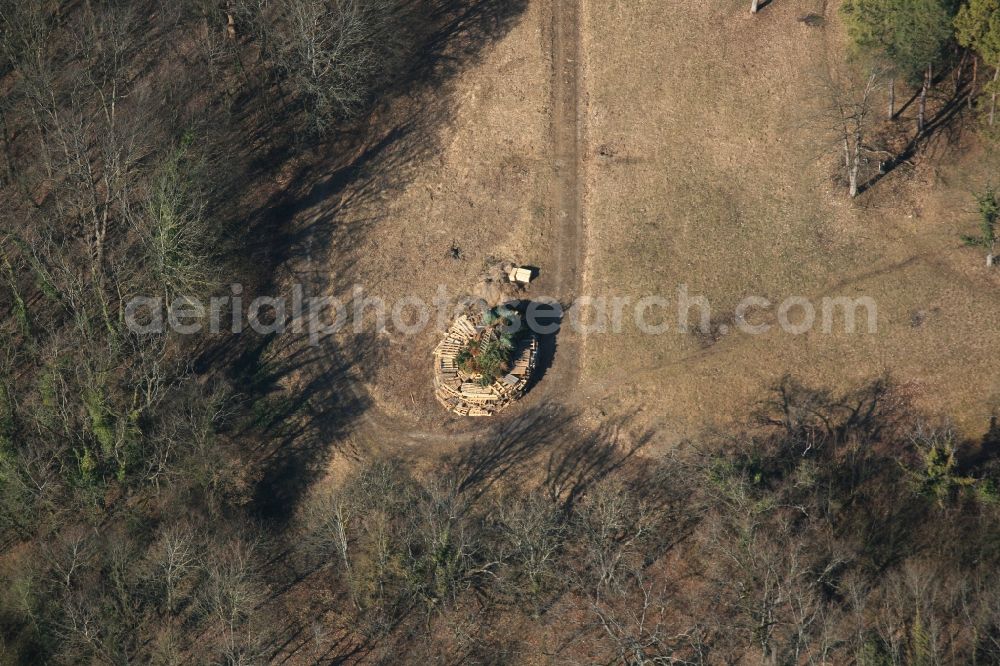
467, 396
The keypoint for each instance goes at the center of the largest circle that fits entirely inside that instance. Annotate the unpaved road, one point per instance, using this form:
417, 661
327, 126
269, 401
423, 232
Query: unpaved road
563, 279
567, 143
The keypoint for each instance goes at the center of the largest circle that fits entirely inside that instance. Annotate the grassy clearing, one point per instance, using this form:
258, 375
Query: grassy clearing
706, 169
481, 186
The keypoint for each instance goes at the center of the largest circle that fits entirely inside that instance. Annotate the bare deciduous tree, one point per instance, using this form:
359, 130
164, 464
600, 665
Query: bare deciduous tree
176, 559
635, 623
336, 54
232, 593
848, 116
613, 524
535, 530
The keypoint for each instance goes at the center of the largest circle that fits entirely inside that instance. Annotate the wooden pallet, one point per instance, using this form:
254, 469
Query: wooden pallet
466, 397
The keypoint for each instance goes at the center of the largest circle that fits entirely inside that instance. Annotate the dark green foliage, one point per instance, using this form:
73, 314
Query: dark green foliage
977, 27
488, 354
936, 474
988, 208
905, 35
20, 308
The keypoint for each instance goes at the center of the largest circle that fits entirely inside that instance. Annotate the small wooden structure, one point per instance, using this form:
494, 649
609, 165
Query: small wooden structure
464, 394
520, 275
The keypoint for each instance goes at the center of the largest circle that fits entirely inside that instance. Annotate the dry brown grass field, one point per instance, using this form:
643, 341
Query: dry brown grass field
702, 163
482, 190
719, 182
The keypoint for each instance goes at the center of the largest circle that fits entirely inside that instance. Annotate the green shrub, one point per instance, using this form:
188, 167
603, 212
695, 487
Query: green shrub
100, 421
988, 207
488, 353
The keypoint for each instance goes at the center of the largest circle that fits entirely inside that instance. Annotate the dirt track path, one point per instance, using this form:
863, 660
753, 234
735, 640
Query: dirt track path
564, 279
568, 141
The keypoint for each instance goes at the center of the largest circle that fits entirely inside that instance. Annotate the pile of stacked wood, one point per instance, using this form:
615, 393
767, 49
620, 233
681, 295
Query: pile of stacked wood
465, 394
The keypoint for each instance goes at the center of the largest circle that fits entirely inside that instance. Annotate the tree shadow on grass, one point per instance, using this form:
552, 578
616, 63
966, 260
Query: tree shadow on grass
943, 126
508, 447
299, 422
549, 448
587, 457
300, 392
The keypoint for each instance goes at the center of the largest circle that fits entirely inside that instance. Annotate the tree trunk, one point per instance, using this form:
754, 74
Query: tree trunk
847, 154
855, 166
975, 71
892, 98
753, 6
921, 113
851, 166
993, 97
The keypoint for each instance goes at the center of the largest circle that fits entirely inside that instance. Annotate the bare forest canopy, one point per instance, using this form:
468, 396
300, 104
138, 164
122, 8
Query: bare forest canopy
157, 501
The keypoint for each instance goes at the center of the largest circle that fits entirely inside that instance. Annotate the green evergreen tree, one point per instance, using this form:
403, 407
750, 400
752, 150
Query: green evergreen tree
908, 37
988, 207
977, 26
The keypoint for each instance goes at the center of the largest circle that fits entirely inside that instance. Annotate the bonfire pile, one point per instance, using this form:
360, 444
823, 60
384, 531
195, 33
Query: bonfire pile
482, 365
